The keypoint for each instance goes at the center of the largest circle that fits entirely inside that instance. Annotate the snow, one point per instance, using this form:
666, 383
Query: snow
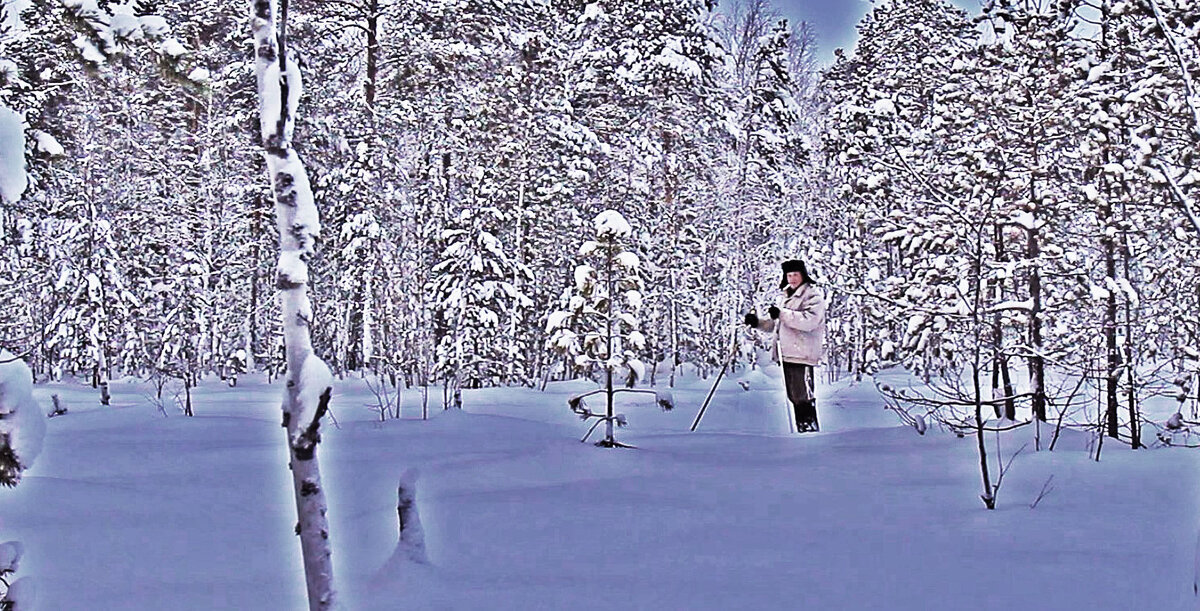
610, 224
199, 75
9, 70
10, 556
314, 379
291, 267
628, 260
1099, 71
124, 24
673, 58
13, 179
637, 339
634, 298
268, 96
22, 594
1025, 305
154, 26
305, 221
12, 18
583, 276
83, 7
884, 106
127, 509
172, 47
88, 50
556, 320
1027, 220
47, 145
592, 12
638, 368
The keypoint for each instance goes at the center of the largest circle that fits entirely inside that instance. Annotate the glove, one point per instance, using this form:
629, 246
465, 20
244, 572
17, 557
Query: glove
774, 312
751, 319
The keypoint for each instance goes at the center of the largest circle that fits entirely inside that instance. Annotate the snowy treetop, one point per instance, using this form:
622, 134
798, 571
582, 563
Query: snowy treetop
611, 225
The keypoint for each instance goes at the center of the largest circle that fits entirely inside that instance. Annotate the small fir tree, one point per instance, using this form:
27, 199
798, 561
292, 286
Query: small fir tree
599, 327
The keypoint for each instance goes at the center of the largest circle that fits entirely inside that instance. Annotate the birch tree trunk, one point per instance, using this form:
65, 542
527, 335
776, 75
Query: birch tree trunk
306, 398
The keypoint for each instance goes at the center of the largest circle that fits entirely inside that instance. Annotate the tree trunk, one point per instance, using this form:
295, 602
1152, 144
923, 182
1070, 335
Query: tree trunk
254, 347
1037, 366
609, 439
1135, 429
372, 7
367, 306
187, 394
989, 492
1113, 355
307, 393
1001, 376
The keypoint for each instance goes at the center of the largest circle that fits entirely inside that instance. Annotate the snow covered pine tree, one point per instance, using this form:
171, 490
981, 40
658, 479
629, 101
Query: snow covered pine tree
599, 326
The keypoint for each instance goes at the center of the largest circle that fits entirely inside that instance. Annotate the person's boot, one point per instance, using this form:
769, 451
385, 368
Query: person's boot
802, 423
806, 417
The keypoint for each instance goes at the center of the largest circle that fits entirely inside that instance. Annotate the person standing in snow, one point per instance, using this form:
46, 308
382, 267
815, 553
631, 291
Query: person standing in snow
799, 324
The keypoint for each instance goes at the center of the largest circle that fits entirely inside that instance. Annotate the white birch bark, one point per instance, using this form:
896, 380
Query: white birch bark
306, 398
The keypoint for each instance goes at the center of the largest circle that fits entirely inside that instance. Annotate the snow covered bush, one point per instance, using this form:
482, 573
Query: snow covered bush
598, 330
22, 424
20, 593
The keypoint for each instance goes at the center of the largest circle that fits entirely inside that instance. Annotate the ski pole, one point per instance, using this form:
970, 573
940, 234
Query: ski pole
794, 425
713, 390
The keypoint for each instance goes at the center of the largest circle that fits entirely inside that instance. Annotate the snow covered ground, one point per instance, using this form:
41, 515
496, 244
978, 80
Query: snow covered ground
129, 509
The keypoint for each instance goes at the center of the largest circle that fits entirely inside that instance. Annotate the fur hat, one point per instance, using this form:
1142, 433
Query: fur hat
794, 265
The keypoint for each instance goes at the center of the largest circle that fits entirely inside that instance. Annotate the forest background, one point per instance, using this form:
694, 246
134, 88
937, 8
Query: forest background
1010, 194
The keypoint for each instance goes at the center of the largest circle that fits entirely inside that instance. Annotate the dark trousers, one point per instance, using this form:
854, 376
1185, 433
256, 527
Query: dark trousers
799, 381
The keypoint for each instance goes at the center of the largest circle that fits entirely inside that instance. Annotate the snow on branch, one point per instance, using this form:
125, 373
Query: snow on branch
109, 31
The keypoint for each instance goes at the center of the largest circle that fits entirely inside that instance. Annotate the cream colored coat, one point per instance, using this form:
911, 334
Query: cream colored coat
801, 326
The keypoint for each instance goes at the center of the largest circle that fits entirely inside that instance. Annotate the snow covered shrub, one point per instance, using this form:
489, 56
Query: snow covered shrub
18, 594
598, 329
22, 424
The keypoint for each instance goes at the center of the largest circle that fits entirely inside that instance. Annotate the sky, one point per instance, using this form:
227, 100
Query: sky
835, 20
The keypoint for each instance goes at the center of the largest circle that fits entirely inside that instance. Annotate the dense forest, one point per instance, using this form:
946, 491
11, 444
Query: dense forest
1006, 201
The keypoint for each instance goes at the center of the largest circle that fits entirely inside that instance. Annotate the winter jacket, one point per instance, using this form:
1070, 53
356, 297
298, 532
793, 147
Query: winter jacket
801, 325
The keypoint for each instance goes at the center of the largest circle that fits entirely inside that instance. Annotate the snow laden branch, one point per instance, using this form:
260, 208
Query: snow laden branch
308, 388
1191, 99
1177, 193
110, 31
